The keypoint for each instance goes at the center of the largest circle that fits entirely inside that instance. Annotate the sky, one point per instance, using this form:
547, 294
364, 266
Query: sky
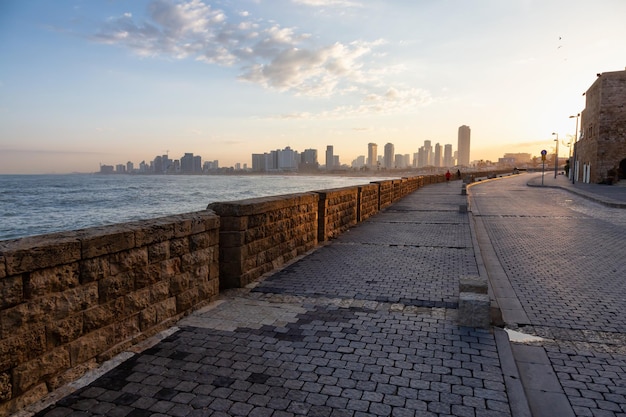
90, 82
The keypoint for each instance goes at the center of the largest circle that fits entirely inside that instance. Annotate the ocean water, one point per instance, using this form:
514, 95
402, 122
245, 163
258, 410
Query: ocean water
39, 204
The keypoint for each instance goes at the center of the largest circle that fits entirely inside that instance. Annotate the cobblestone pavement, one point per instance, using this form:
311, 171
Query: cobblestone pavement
363, 326
564, 257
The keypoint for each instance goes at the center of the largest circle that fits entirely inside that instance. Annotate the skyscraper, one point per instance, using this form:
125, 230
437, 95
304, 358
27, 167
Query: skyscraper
330, 157
463, 147
372, 154
437, 160
389, 156
447, 156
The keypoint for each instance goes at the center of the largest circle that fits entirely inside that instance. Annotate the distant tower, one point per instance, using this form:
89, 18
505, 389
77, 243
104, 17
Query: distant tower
437, 161
447, 156
389, 155
330, 157
463, 147
372, 154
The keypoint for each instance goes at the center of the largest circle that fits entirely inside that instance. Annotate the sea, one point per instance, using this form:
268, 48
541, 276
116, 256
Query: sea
39, 204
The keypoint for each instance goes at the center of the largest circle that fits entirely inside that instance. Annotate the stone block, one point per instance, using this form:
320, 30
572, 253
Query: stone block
128, 260
6, 387
115, 286
60, 332
55, 279
39, 252
473, 283
94, 269
474, 310
16, 349
153, 231
158, 252
30, 373
91, 345
98, 241
102, 315
462, 208
11, 291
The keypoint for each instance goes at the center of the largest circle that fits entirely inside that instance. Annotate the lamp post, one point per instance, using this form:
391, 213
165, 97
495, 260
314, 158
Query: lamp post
573, 165
556, 154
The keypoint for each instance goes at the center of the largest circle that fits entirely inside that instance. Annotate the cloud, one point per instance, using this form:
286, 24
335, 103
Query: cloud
266, 53
390, 101
327, 3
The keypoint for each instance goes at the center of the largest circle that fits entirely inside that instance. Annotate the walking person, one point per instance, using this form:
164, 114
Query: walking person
448, 175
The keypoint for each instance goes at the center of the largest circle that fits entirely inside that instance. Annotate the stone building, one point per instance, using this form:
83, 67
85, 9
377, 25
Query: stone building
600, 153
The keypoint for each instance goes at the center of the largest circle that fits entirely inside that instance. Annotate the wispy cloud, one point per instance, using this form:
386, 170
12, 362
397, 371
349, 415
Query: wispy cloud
266, 53
328, 3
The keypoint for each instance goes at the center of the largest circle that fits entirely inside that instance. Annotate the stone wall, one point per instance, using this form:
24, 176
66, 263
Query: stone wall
603, 127
368, 204
70, 300
258, 235
337, 211
385, 193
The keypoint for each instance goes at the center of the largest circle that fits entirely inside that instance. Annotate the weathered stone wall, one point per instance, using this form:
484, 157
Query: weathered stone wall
385, 193
368, 201
258, 235
71, 300
603, 126
337, 211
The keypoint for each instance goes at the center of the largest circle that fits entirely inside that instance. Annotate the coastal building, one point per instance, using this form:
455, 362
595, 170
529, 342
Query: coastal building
463, 146
389, 156
372, 155
448, 161
437, 156
330, 157
600, 152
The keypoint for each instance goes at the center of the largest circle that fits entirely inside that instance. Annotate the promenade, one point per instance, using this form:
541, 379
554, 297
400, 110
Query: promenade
366, 325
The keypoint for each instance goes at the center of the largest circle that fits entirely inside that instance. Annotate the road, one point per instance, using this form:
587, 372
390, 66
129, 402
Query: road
560, 275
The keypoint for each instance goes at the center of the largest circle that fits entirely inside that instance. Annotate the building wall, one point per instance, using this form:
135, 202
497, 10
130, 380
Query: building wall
603, 127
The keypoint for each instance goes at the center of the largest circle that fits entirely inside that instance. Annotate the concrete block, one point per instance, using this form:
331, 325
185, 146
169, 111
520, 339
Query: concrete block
474, 310
473, 283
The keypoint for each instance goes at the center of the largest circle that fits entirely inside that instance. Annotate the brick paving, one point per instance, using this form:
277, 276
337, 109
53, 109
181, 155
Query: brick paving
363, 326
367, 324
563, 255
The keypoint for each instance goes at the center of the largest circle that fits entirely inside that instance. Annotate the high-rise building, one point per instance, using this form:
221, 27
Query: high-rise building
428, 153
437, 160
463, 147
186, 163
372, 155
389, 156
447, 156
359, 162
330, 157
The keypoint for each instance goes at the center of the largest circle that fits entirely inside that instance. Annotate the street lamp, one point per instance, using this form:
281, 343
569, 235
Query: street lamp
556, 154
573, 164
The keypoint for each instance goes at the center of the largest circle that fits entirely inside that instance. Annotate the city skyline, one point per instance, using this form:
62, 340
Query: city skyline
84, 83
427, 155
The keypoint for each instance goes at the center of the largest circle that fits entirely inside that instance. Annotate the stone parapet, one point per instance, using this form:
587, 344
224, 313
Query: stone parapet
337, 211
71, 300
367, 204
258, 235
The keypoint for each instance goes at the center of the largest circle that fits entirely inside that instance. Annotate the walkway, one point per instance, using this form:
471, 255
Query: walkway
559, 276
609, 195
367, 324
363, 326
